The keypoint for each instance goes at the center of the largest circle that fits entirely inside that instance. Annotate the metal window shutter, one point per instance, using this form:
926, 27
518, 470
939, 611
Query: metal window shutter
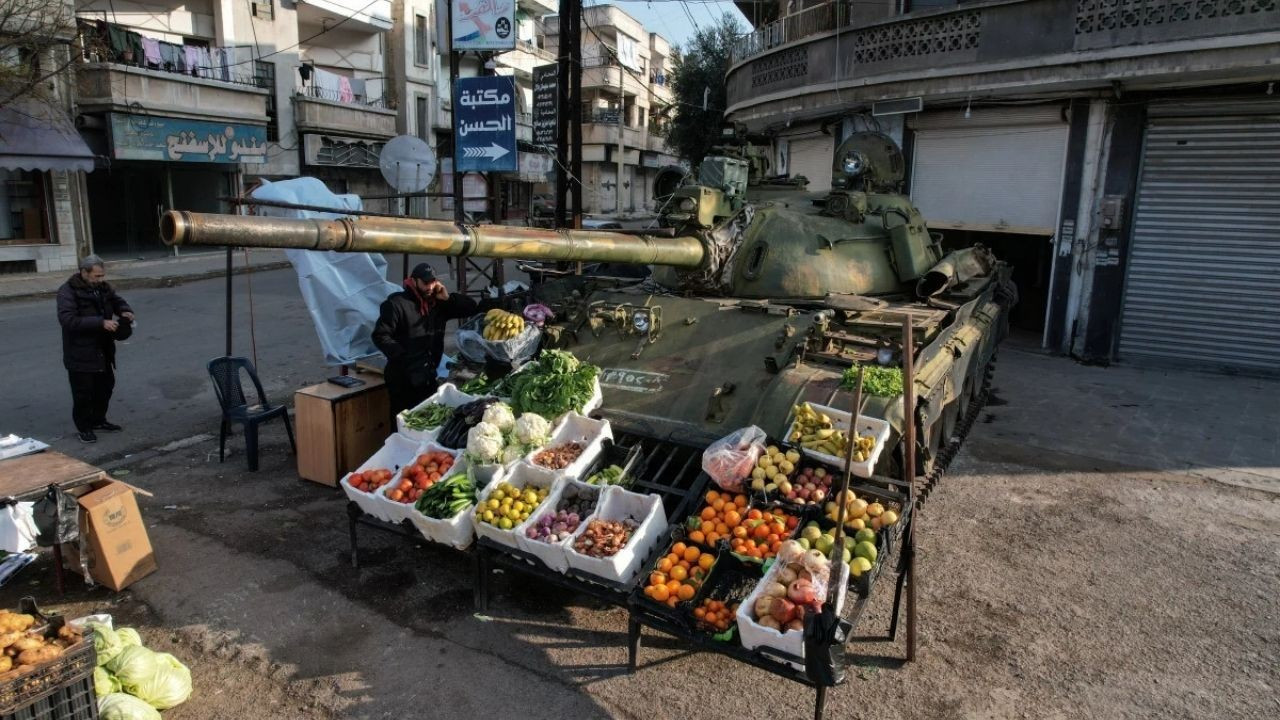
997, 170
1201, 283
811, 157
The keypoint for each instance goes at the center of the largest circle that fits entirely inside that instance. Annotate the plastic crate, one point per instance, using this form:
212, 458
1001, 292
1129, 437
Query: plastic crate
731, 581
626, 457
877, 428
57, 690
74, 700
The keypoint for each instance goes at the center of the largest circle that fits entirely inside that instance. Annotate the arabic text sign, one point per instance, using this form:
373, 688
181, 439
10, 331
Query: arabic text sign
484, 124
152, 137
546, 104
484, 24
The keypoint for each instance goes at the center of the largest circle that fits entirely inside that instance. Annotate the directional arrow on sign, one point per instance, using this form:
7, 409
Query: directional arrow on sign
493, 152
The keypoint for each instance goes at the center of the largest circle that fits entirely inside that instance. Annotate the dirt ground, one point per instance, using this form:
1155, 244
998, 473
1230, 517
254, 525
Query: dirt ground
1052, 586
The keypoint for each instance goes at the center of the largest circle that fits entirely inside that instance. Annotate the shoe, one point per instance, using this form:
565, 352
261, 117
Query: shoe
107, 426
87, 437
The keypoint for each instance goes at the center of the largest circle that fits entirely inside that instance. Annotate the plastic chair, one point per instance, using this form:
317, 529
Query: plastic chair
225, 372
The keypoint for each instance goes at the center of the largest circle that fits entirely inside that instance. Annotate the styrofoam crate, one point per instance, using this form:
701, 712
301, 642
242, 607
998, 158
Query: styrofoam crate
522, 475
553, 554
457, 531
576, 428
399, 511
866, 426
755, 635
448, 394
619, 504
394, 454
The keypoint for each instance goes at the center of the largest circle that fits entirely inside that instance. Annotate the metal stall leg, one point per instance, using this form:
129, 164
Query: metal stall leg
480, 591
820, 702
633, 644
353, 515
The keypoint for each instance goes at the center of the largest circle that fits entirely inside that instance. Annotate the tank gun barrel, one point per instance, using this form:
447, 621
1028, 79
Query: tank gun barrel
427, 237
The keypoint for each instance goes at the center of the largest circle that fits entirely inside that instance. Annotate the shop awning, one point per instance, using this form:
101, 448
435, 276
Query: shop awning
35, 135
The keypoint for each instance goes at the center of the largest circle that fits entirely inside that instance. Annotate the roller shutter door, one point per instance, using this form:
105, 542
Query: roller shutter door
997, 170
1203, 278
811, 157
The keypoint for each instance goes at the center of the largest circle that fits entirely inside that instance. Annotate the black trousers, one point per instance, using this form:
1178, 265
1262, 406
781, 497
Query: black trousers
405, 389
90, 396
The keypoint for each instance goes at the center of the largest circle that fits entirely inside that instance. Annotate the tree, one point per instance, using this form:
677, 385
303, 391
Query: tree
35, 37
700, 74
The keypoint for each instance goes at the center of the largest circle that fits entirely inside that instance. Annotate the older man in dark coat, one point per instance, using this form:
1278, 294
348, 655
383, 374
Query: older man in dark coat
93, 317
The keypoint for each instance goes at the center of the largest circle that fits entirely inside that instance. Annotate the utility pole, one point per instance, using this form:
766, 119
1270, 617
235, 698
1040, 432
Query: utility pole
622, 112
458, 213
575, 109
563, 94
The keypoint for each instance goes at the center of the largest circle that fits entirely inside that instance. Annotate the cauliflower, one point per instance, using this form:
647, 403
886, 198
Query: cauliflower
533, 430
500, 414
484, 443
512, 453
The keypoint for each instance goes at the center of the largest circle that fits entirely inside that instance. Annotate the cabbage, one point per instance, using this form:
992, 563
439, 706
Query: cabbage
157, 678
533, 430
129, 637
104, 683
122, 706
106, 642
484, 443
499, 414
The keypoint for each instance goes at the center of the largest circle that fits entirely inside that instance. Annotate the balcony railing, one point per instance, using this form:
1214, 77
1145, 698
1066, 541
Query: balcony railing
340, 96
793, 27
104, 42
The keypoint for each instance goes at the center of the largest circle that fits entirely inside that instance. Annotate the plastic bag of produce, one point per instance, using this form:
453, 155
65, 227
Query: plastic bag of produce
128, 637
157, 678
514, 351
104, 683
123, 706
730, 459
106, 642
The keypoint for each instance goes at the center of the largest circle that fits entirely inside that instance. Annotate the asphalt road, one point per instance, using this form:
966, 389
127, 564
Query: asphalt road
163, 392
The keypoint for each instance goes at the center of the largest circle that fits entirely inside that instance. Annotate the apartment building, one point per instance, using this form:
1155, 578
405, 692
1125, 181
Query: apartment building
627, 104
1121, 154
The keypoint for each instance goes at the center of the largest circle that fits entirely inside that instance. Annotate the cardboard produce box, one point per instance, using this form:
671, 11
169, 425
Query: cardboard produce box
114, 539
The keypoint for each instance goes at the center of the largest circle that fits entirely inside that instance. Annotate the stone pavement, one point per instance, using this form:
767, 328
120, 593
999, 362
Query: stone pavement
1222, 427
164, 272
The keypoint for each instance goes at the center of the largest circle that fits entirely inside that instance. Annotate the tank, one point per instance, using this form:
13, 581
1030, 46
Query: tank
761, 296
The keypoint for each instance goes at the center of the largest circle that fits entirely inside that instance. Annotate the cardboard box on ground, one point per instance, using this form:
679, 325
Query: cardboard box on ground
117, 551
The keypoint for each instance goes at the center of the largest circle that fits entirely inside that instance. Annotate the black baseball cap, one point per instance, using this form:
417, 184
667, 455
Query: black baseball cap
423, 272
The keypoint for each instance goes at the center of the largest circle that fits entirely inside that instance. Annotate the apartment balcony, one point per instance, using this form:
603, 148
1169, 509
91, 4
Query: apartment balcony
539, 8
657, 143
357, 16
661, 92
836, 56
602, 129
525, 58
603, 73
111, 87
315, 113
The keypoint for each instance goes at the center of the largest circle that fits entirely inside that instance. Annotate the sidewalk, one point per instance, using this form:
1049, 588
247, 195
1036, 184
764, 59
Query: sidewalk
125, 274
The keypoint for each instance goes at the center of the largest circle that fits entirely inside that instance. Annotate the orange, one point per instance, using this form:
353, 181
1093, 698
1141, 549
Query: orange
674, 558
660, 593
740, 532
712, 617
732, 518
707, 527
648, 590
678, 549
722, 529
657, 579
685, 592
708, 513
691, 554
772, 538
673, 586
671, 601
697, 536
778, 528
712, 495
664, 565
740, 501
699, 613
706, 561
713, 538
759, 531
754, 514
679, 573
718, 504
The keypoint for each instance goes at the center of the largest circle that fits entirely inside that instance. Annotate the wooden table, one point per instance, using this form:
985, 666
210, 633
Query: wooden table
29, 477
339, 428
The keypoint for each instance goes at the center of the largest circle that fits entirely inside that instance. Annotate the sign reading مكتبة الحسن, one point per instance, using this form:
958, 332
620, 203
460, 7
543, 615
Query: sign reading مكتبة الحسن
484, 24
152, 137
484, 124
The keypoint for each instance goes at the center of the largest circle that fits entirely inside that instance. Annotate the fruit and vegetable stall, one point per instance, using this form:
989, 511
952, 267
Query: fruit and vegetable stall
761, 549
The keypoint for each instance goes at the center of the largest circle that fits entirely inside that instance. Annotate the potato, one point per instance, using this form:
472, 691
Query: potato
28, 642
763, 606
6, 663
39, 655
9, 638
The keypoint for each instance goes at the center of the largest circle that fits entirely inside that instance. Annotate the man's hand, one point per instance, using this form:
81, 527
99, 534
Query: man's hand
438, 291
110, 325
127, 316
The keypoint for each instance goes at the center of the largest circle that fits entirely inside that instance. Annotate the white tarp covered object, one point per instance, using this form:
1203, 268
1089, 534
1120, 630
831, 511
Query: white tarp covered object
342, 290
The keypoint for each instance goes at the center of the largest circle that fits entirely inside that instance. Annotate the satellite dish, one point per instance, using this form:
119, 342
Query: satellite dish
407, 164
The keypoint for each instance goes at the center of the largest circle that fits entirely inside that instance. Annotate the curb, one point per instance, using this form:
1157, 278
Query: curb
156, 282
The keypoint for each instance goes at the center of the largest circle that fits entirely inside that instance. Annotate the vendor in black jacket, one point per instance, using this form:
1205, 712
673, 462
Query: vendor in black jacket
93, 317
410, 332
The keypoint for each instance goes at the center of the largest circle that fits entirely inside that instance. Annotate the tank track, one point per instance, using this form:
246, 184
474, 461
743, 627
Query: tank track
927, 482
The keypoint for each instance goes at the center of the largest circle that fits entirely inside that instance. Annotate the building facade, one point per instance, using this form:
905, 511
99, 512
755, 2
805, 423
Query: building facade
1124, 156
627, 103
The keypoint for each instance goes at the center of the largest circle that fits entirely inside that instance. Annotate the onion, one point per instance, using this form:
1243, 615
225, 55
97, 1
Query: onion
769, 622
787, 575
775, 589
795, 625
801, 592
783, 610
763, 607
790, 551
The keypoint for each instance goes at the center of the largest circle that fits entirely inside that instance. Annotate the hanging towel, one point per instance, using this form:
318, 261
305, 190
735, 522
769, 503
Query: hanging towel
151, 49
326, 84
344, 90
170, 57
358, 90
118, 41
206, 63
191, 58
135, 44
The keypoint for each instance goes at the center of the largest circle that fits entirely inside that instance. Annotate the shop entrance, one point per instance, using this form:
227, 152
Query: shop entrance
127, 200
1032, 259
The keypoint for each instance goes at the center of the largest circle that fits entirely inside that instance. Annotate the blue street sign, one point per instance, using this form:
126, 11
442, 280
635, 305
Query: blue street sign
484, 125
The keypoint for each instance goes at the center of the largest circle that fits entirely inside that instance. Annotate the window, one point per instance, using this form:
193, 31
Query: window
262, 9
422, 41
423, 117
264, 76
23, 208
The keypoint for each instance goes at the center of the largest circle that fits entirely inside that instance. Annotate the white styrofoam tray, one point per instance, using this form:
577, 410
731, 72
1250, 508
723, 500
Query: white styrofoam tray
457, 531
754, 635
594, 401
394, 454
402, 511
522, 475
448, 394
581, 429
840, 419
619, 504
553, 554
